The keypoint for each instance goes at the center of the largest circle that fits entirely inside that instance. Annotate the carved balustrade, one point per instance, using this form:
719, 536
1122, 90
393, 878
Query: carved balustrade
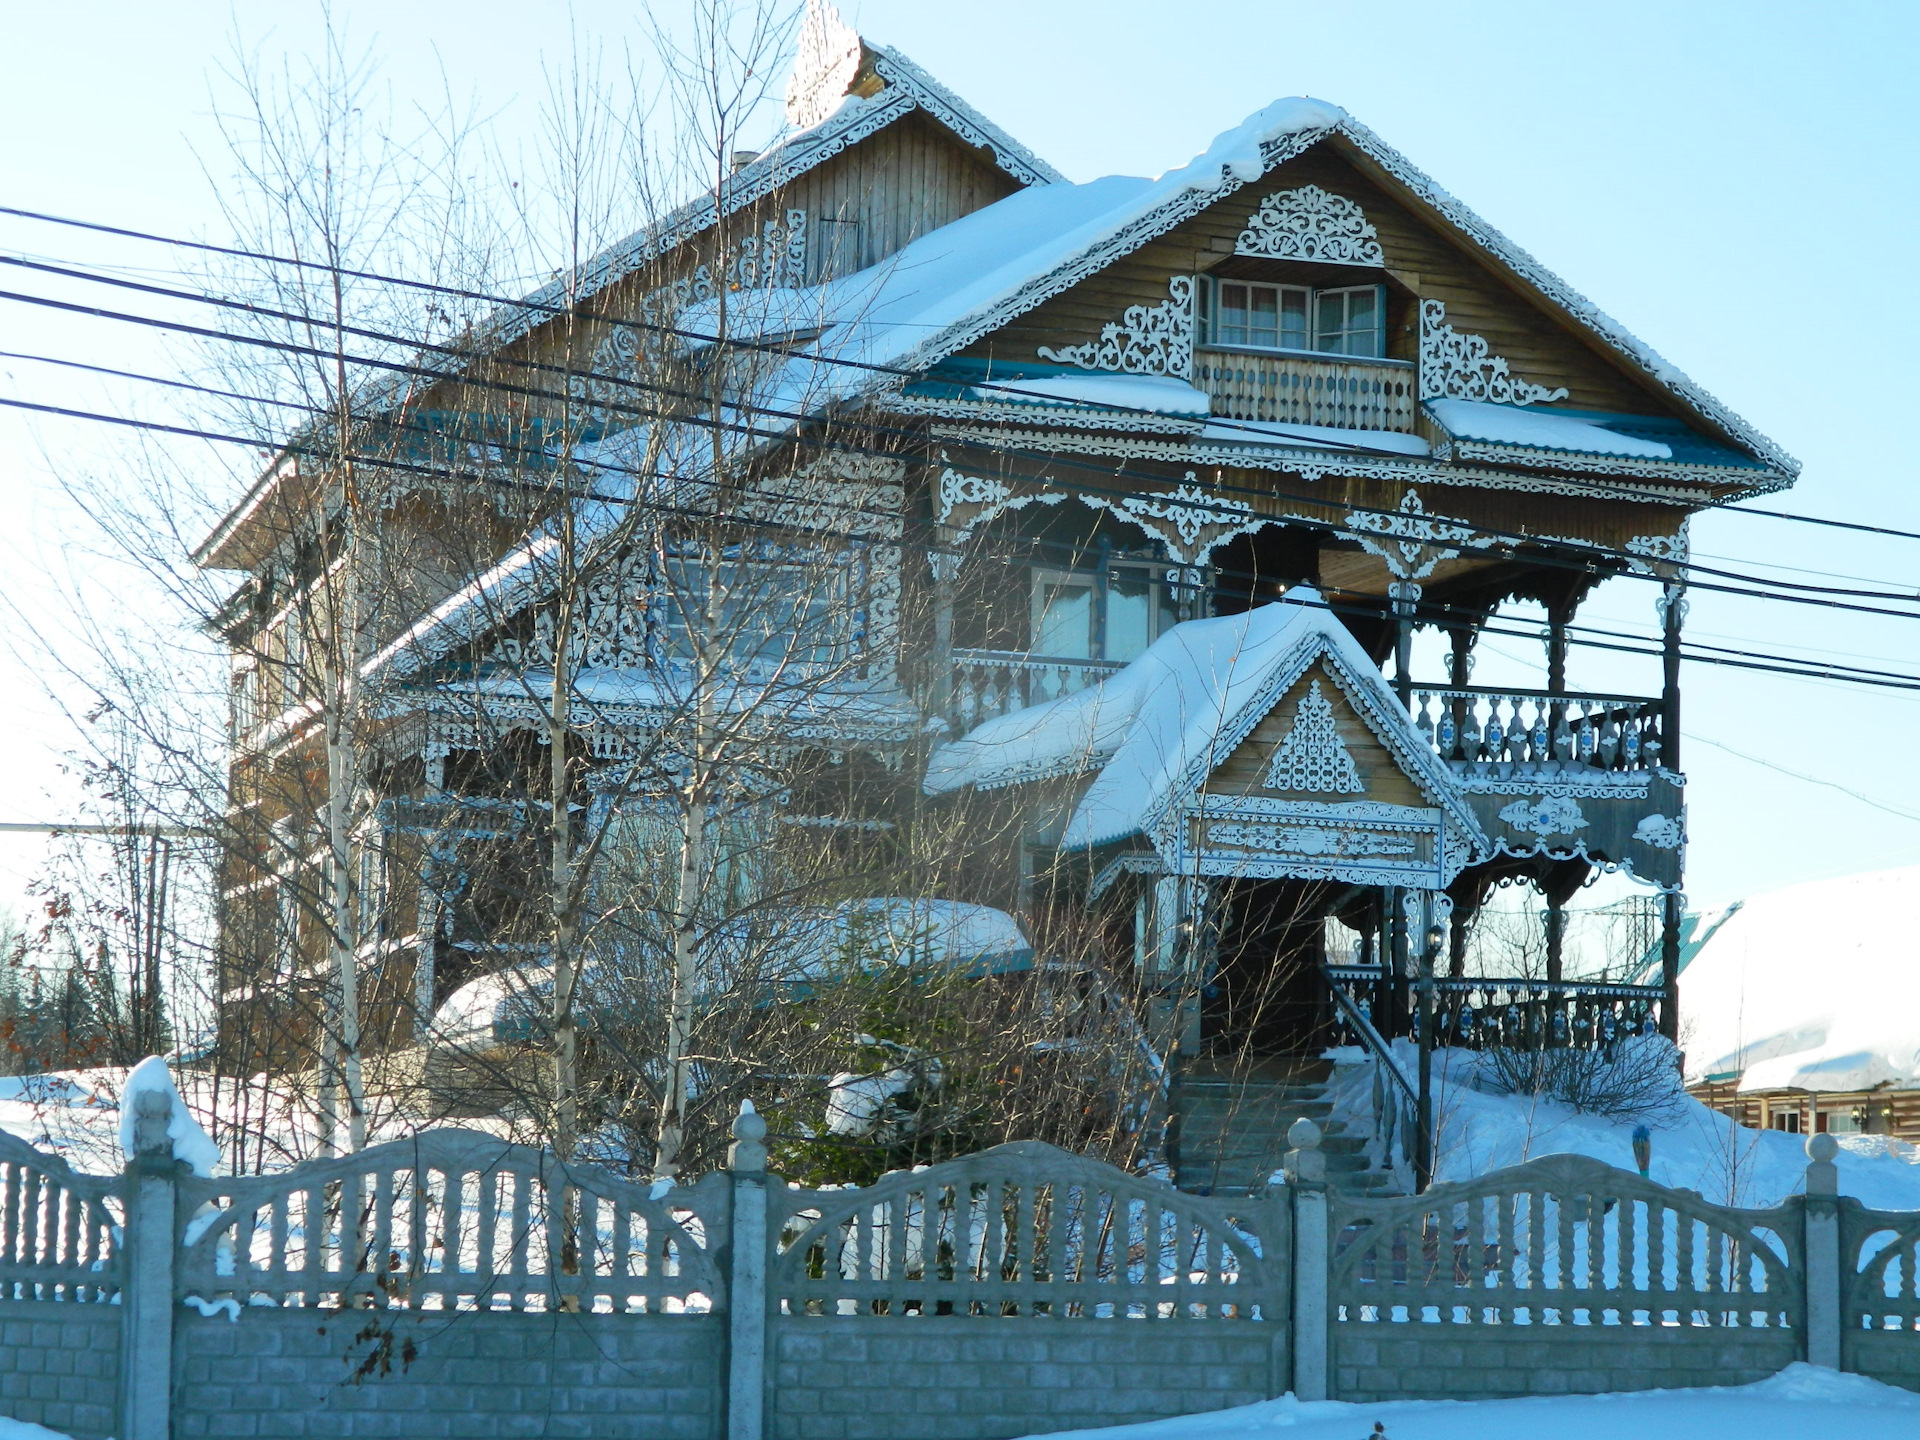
1302, 390
1488, 1012
987, 683
1481, 731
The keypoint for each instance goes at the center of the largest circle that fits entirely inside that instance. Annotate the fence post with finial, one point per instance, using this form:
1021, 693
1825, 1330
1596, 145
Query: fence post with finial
747, 1278
1305, 1167
146, 1315
1820, 1244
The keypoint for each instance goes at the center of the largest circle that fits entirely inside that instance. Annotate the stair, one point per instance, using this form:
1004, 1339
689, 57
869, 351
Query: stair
1233, 1129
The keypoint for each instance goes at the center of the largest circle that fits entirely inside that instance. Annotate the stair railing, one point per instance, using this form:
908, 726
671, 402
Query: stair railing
1396, 1108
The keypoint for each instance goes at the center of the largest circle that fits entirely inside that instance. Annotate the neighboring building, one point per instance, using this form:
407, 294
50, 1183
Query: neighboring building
1803, 1007
1178, 467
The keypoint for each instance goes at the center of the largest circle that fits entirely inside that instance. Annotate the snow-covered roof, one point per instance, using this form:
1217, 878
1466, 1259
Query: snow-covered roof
1581, 432
1155, 729
796, 947
966, 279
905, 89
1813, 987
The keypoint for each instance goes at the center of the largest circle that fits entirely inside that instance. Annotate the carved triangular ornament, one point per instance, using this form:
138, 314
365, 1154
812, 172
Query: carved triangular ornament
1312, 758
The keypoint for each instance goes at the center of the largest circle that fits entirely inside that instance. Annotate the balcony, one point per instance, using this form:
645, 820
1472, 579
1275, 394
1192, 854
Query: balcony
1309, 390
987, 683
1507, 734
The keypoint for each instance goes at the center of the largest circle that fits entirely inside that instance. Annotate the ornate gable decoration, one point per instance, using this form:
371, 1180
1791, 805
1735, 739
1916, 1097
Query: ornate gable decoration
1313, 758
1457, 366
1310, 224
825, 68
1147, 340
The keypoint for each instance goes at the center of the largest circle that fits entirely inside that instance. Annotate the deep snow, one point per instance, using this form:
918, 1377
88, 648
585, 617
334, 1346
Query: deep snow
1814, 986
1694, 1147
1802, 1402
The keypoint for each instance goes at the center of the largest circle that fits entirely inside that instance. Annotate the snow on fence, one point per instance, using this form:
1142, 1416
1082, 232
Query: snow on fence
59, 1232
1564, 1240
450, 1220
1026, 1229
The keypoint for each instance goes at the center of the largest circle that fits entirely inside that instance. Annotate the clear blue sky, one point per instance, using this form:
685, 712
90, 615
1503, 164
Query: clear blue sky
1735, 182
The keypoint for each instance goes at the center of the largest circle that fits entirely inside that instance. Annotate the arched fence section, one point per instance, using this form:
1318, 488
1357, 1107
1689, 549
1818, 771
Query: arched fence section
1563, 1241
1014, 1291
450, 1220
1880, 1305
1026, 1229
1566, 1254
59, 1231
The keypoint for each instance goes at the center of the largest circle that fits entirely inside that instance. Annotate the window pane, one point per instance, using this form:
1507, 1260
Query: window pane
1063, 619
1233, 315
1293, 319
1134, 616
1262, 326
1348, 322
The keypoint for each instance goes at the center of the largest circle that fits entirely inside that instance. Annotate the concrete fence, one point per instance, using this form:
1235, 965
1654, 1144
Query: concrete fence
456, 1285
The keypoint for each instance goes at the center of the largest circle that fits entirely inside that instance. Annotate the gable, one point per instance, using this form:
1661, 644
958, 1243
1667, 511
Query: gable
894, 186
1309, 768
1423, 261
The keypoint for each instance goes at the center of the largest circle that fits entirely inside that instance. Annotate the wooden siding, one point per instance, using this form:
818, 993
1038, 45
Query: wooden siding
1422, 260
1244, 771
911, 178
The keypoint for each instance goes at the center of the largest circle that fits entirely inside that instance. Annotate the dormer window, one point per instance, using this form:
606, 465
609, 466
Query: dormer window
1246, 313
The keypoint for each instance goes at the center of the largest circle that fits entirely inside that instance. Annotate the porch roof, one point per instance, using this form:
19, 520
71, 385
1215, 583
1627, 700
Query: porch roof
1156, 729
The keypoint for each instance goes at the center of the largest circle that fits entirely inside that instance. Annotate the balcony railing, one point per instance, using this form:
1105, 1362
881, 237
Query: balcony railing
1488, 732
1302, 390
987, 683
1487, 1012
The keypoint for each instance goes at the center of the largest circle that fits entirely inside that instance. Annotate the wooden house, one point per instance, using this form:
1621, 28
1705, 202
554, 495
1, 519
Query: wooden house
1175, 470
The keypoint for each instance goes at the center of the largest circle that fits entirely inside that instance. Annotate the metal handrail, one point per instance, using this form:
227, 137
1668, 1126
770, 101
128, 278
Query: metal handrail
1363, 1027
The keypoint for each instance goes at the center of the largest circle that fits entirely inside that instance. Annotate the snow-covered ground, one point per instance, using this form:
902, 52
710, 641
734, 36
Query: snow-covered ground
1800, 1403
1694, 1148
1814, 987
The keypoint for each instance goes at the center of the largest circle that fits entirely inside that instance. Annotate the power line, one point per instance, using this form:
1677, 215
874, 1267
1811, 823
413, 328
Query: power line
1744, 660
1519, 540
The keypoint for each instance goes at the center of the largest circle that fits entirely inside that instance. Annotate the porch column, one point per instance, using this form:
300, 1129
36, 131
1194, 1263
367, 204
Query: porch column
1406, 597
946, 567
1556, 924
1672, 609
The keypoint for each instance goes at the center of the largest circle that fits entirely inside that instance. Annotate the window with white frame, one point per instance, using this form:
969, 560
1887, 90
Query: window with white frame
1112, 613
1349, 320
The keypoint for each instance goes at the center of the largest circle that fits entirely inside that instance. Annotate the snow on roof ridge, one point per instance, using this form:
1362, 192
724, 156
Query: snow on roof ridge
1237, 157
1553, 288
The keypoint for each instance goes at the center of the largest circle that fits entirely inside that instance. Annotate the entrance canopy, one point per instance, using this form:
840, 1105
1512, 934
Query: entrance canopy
1265, 744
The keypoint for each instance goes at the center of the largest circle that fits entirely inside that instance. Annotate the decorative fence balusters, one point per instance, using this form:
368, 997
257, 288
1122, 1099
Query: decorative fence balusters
1480, 731
451, 1220
1884, 1284
59, 1231
1026, 1229
1347, 394
1564, 1241
987, 683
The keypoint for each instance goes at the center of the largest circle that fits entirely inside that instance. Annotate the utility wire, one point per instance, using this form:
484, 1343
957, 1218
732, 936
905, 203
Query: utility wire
1748, 661
1516, 538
